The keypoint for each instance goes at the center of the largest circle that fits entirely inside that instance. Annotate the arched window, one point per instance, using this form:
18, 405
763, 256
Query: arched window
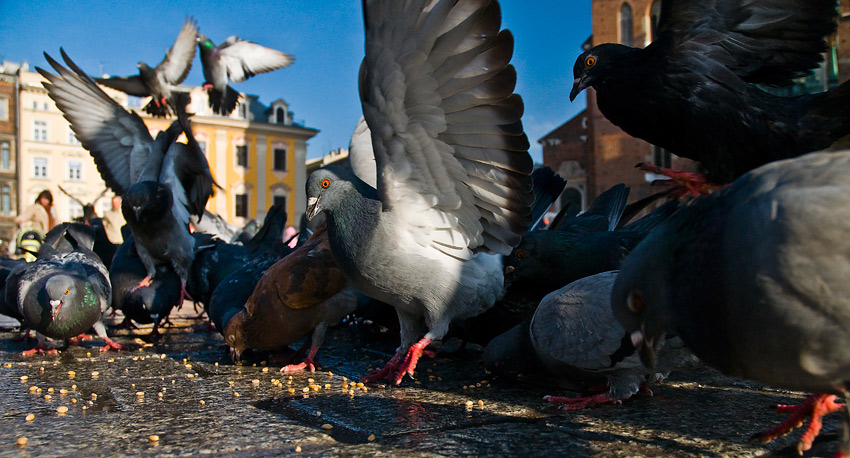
654, 15
626, 24
279, 116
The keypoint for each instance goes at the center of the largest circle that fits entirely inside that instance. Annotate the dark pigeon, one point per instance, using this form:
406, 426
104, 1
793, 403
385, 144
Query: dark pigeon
160, 82
303, 293
7, 266
698, 89
163, 182
65, 292
573, 335
453, 170
754, 280
234, 60
147, 304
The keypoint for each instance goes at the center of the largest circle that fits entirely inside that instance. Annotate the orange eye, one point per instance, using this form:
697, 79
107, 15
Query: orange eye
590, 61
634, 302
67, 290
520, 254
326, 183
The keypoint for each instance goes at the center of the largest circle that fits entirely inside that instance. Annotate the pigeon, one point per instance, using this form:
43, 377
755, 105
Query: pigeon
752, 279
160, 82
7, 266
234, 60
147, 304
65, 291
216, 259
573, 335
103, 248
163, 182
453, 169
302, 293
698, 89
213, 224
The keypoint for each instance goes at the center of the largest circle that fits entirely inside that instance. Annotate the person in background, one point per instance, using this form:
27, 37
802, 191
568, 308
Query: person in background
113, 219
39, 215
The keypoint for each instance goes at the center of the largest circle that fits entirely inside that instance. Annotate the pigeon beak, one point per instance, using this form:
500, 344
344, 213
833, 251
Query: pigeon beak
235, 355
579, 85
55, 305
509, 275
645, 347
312, 207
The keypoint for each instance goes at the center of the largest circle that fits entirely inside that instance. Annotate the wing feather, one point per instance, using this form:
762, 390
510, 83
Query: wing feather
178, 60
244, 59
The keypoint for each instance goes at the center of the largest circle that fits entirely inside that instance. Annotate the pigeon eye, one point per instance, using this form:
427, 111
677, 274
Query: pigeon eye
634, 302
326, 183
590, 61
520, 254
67, 291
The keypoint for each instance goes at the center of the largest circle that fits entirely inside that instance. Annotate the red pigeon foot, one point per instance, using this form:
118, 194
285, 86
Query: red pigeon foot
207, 86
815, 406
142, 284
80, 339
582, 402
396, 368
681, 183
112, 345
41, 350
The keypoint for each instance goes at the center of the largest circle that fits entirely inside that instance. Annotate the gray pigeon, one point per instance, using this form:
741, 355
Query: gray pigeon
573, 334
159, 82
163, 182
65, 291
234, 60
453, 170
754, 280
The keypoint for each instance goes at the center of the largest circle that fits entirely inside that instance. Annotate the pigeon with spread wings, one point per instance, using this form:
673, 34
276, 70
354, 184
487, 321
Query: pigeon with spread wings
453, 169
163, 182
234, 60
159, 82
697, 89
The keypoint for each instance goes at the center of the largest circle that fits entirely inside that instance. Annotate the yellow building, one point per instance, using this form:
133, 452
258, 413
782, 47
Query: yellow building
256, 154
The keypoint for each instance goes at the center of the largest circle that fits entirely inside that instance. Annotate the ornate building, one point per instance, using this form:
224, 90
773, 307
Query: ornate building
8, 149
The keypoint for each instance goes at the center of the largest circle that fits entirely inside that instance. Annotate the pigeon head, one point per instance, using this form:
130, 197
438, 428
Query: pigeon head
329, 187
205, 43
594, 65
640, 298
146, 201
523, 262
234, 335
59, 290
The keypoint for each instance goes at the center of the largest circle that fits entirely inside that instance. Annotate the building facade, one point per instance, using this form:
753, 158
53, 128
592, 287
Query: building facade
256, 154
8, 150
594, 154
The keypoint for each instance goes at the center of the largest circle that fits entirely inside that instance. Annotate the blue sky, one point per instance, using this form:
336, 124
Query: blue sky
326, 38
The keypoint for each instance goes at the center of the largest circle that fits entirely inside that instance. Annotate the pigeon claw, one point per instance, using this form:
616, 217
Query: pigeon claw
39, 349
307, 364
80, 339
112, 345
582, 402
397, 368
815, 407
142, 284
681, 183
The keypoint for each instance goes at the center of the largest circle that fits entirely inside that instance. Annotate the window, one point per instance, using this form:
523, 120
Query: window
279, 115
243, 111
6, 200
279, 201
72, 139
4, 108
5, 155
661, 157
242, 156
280, 159
75, 210
34, 105
654, 15
39, 167
241, 205
39, 131
75, 170
44, 106
626, 25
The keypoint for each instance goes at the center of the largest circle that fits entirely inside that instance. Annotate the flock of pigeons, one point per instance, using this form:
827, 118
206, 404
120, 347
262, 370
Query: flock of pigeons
439, 216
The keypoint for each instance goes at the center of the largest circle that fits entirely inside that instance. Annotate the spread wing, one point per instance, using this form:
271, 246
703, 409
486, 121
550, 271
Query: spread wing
437, 93
178, 60
128, 84
244, 59
361, 157
186, 171
762, 41
118, 140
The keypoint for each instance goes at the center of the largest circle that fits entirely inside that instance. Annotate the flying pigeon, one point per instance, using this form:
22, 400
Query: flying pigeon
234, 60
303, 293
573, 334
162, 182
753, 279
159, 82
65, 291
698, 90
453, 169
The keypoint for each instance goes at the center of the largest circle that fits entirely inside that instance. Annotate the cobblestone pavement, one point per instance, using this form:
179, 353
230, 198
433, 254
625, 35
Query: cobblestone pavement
181, 396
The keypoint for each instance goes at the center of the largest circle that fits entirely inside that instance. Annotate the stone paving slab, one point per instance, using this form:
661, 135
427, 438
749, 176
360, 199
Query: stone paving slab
183, 389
